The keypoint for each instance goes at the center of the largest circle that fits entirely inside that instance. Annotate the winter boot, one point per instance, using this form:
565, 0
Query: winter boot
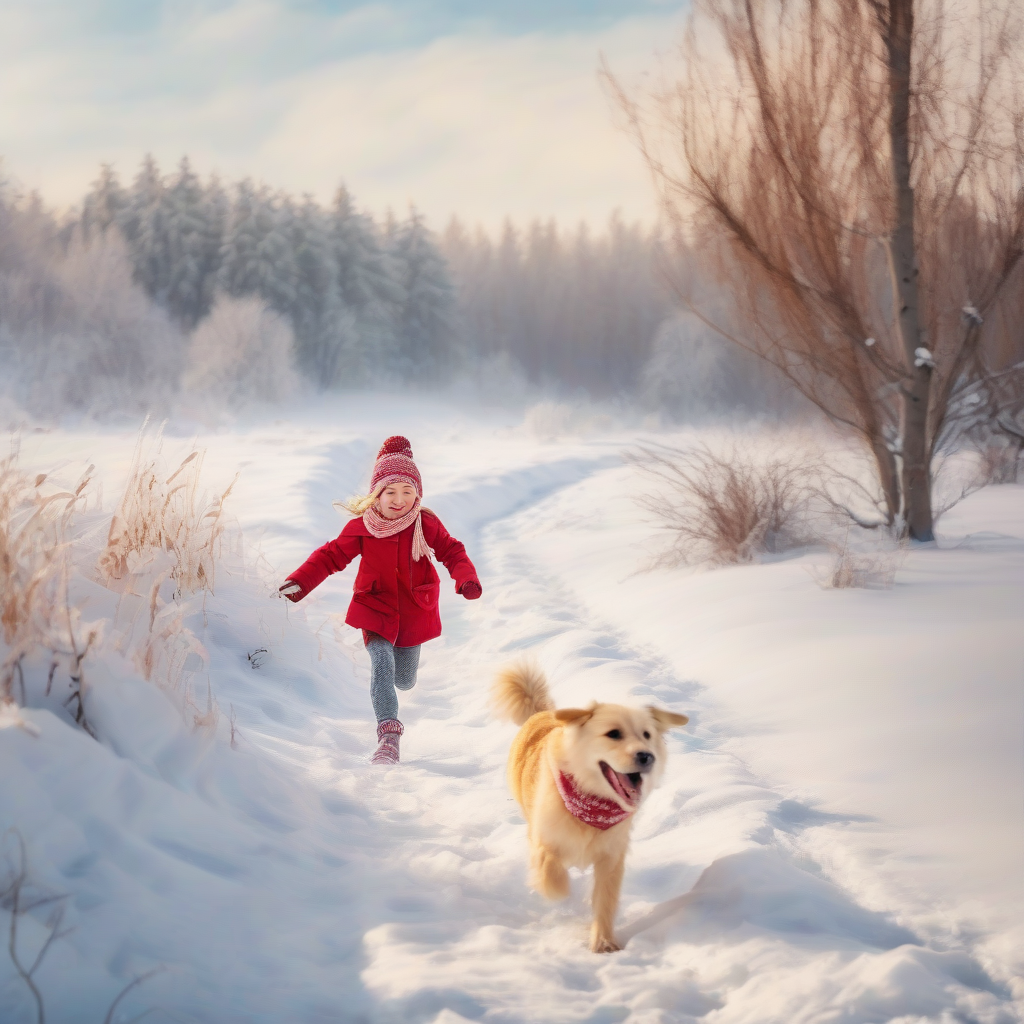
388, 733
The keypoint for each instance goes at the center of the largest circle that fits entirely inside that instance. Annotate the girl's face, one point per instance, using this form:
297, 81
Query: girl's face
396, 499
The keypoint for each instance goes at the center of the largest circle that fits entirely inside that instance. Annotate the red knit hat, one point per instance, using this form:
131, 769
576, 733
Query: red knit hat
394, 462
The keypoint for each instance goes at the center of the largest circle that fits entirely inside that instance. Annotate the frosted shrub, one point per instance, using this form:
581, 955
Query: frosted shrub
242, 352
80, 334
727, 507
694, 371
127, 351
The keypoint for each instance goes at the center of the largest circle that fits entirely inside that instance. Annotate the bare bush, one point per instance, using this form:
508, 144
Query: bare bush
869, 570
160, 516
242, 352
727, 507
1000, 460
999, 428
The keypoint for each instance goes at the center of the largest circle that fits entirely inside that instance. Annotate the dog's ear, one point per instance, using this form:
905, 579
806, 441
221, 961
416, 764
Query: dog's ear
666, 719
574, 716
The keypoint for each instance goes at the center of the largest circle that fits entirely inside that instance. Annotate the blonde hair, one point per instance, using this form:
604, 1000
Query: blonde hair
359, 503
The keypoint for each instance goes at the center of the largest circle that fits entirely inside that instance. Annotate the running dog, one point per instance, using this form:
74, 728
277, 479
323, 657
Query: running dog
579, 774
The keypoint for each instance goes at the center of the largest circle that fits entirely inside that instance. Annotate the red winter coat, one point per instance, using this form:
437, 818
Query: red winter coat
394, 596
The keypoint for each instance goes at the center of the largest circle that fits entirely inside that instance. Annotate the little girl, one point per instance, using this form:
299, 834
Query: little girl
396, 590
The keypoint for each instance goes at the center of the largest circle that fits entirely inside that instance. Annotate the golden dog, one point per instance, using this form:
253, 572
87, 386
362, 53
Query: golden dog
579, 775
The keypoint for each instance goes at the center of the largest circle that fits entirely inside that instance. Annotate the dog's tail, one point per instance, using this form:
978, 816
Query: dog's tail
519, 691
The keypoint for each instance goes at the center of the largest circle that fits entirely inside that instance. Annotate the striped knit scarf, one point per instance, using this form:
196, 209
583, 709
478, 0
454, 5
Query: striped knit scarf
598, 811
381, 527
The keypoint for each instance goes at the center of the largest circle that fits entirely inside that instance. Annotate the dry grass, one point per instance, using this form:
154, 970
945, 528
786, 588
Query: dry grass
165, 534
35, 609
163, 529
727, 507
165, 514
169, 650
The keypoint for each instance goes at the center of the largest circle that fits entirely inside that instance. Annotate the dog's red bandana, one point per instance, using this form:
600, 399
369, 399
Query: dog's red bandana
598, 811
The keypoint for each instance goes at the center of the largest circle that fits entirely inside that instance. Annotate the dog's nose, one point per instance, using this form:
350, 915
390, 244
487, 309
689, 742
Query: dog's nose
644, 758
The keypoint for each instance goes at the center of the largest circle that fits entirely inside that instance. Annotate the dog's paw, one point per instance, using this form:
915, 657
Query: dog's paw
604, 944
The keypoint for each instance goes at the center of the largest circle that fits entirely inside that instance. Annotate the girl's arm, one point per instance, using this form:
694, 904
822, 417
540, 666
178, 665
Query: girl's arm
331, 558
451, 553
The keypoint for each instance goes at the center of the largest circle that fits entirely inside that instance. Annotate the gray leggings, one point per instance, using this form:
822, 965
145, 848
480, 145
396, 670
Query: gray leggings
390, 666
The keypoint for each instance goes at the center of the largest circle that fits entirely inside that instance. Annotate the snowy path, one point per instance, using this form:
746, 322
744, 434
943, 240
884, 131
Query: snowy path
285, 880
762, 900
508, 951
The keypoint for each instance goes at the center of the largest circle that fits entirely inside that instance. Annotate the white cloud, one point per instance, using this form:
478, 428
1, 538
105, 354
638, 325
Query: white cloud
481, 125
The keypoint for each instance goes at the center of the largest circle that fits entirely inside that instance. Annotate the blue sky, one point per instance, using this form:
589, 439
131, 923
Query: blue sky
414, 21
481, 109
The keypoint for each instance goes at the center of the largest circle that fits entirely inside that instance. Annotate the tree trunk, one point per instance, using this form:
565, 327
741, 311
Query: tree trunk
917, 502
888, 476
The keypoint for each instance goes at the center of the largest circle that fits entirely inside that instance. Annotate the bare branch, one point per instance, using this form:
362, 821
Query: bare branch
13, 899
133, 984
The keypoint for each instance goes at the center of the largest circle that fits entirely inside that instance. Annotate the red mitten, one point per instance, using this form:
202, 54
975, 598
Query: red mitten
471, 590
291, 590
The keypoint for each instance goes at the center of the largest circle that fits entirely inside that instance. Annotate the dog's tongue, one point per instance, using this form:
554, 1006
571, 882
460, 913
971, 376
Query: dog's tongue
622, 784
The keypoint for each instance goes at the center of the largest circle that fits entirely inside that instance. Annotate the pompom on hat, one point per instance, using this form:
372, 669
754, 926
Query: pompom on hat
394, 462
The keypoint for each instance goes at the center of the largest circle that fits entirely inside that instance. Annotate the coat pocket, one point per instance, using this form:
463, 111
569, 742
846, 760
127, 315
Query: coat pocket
371, 597
427, 594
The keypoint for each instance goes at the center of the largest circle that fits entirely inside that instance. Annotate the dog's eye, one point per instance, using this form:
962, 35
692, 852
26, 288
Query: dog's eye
647, 735
614, 734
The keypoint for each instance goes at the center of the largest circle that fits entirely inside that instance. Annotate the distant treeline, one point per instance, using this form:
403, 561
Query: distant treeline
358, 296
171, 284
571, 308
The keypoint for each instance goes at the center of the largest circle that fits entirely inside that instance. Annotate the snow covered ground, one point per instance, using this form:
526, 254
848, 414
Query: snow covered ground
839, 837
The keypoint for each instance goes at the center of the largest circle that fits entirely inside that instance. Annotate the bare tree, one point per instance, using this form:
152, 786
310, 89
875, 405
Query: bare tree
855, 170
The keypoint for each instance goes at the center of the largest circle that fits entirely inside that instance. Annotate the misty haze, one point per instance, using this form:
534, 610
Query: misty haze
389, 388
